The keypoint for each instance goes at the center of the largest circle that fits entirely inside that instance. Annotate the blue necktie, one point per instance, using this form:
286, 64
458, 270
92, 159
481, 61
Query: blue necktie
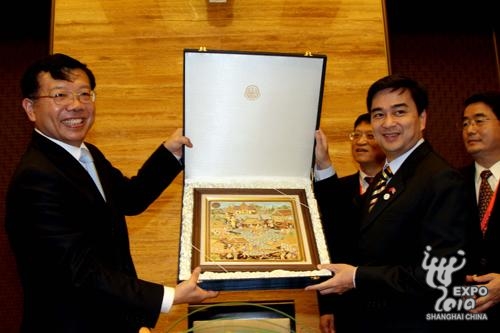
88, 162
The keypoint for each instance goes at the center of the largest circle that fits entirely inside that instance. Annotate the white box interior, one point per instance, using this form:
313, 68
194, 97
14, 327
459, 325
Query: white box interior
251, 118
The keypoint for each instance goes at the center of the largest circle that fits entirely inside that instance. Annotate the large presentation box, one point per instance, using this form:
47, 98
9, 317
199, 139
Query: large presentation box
249, 215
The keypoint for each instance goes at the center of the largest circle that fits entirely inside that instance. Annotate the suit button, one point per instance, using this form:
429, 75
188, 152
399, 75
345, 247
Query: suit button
484, 262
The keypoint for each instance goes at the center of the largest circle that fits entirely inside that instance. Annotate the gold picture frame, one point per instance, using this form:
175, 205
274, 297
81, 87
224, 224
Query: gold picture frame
252, 230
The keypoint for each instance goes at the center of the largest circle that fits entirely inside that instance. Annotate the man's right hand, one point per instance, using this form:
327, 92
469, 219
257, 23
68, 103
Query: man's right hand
321, 150
189, 292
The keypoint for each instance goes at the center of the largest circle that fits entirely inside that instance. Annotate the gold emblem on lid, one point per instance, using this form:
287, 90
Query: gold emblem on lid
252, 92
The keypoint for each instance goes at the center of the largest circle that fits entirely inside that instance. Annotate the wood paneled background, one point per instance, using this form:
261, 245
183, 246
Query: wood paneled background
135, 49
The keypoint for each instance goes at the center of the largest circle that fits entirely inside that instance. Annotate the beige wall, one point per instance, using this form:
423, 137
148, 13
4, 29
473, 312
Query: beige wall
135, 49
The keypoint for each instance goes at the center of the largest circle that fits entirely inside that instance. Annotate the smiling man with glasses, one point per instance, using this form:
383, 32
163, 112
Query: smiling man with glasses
66, 97
366, 151
69, 238
481, 137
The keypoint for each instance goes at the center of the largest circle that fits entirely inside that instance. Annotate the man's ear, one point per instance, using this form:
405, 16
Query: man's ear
28, 108
423, 119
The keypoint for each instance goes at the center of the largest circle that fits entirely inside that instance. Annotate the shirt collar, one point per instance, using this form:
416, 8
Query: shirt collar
362, 175
397, 162
74, 151
495, 170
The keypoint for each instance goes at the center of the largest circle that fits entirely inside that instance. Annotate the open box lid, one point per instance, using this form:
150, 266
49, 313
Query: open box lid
251, 118
251, 114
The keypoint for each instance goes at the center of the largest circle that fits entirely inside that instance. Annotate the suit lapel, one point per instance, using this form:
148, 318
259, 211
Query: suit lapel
66, 164
396, 186
394, 189
100, 165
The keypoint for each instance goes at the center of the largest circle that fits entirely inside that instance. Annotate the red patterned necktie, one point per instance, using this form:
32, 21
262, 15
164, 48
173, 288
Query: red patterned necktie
380, 186
485, 194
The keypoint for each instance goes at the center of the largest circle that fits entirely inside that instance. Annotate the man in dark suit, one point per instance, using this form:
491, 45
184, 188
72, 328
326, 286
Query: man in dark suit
69, 238
337, 197
481, 136
423, 206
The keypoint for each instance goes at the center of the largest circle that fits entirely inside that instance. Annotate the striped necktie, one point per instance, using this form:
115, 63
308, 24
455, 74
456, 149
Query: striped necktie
88, 163
380, 186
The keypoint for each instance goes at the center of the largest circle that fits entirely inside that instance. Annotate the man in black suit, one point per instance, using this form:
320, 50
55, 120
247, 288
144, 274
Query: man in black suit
481, 136
337, 196
423, 206
67, 231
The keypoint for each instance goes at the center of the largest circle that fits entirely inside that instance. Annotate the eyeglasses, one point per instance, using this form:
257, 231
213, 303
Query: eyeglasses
356, 135
478, 121
66, 97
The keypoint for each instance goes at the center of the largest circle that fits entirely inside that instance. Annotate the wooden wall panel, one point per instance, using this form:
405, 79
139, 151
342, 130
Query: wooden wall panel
135, 49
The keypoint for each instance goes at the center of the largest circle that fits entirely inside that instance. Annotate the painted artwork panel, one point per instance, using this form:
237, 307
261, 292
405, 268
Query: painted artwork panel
252, 229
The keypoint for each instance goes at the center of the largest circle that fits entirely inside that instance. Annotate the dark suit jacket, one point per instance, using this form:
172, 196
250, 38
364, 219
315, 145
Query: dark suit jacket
72, 247
426, 204
337, 202
338, 205
487, 248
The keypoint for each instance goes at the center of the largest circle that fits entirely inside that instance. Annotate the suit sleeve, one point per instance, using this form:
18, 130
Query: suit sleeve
133, 195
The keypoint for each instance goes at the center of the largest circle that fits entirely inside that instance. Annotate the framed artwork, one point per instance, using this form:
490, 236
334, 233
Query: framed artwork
252, 230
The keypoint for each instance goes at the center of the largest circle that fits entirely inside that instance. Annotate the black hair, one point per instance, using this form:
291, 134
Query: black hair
490, 98
395, 82
363, 118
59, 66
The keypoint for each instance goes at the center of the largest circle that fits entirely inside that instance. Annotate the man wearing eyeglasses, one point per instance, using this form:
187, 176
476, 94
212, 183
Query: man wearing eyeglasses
481, 137
69, 238
337, 196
